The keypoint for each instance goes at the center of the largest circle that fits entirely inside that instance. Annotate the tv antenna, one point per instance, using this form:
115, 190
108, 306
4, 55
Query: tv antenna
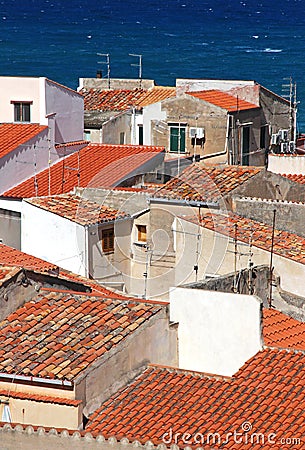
139, 65
107, 62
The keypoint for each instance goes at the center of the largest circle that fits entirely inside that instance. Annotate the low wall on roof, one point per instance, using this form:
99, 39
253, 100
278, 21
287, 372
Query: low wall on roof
289, 216
26, 438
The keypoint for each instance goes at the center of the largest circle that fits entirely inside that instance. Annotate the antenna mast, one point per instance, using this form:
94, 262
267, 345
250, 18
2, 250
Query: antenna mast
139, 65
271, 268
107, 62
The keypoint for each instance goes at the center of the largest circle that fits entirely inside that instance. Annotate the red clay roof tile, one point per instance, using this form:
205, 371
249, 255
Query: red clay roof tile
280, 330
223, 100
231, 406
12, 135
39, 398
205, 184
123, 99
18, 331
77, 209
287, 245
93, 166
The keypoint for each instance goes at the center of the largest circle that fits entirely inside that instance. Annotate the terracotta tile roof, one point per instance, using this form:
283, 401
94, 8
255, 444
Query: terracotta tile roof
223, 100
267, 394
197, 183
39, 398
99, 165
157, 94
12, 260
77, 209
280, 330
298, 178
123, 99
12, 135
10, 256
72, 144
58, 335
287, 245
7, 272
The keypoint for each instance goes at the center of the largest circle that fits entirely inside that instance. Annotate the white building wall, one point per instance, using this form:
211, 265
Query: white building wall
217, 257
217, 332
152, 113
24, 161
287, 164
53, 238
20, 89
68, 107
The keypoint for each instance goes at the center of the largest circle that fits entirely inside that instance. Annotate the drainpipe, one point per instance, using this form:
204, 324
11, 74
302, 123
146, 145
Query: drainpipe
86, 255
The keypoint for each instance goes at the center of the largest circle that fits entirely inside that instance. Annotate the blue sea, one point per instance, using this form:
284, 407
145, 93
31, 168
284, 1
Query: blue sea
231, 39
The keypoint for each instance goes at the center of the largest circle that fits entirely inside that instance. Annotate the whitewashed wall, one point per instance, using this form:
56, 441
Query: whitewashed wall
53, 238
217, 332
293, 164
68, 107
20, 89
22, 162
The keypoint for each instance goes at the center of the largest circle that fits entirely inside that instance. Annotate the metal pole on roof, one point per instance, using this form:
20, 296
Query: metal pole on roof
107, 62
271, 268
138, 65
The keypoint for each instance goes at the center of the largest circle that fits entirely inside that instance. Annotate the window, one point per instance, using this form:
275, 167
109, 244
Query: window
263, 136
142, 234
108, 240
140, 134
22, 111
177, 139
122, 138
87, 135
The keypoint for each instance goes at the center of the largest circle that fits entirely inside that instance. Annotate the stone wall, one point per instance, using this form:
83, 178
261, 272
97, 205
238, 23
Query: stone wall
254, 282
289, 216
13, 437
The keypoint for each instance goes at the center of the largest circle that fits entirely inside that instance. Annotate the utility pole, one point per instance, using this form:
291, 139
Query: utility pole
271, 268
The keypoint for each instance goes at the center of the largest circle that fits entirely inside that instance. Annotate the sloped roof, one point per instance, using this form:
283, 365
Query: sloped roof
10, 256
297, 178
280, 330
12, 259
39, 398
123, 99
12, 135
77, 209
287, 245
223, 100
265, 396
93, 166
58, 334
197, 183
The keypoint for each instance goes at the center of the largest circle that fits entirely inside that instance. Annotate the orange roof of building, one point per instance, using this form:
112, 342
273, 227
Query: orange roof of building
39, 398
12, 135
93, 166
280, 330
10, 256
60, 334
287, 245
123, 99
204, 184
223, 100
265, 396
77, 209
11, 260
298, 178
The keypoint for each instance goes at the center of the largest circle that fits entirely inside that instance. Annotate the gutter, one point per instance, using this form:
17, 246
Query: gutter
184, 202
48, 382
